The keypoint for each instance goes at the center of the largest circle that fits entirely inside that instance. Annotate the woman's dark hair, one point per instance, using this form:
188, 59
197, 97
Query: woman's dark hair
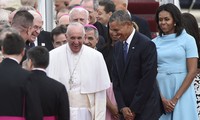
176, 15
190, 24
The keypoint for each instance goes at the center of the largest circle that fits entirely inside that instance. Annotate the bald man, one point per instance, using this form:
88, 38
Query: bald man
64, 20
79, 14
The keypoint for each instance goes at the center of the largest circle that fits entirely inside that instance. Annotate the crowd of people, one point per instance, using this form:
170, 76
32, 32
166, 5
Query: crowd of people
100, 62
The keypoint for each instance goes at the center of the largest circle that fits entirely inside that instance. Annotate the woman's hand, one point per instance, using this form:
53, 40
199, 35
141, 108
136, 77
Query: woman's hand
114, 111
169, 105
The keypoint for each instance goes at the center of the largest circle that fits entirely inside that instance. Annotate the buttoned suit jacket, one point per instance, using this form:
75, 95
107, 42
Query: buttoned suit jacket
15, 100
135, 80
51, 95
44, 39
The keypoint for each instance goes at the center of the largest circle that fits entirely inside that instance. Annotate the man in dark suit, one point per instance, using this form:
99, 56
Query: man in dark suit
14, 103
141, 23
51, 94
134, 71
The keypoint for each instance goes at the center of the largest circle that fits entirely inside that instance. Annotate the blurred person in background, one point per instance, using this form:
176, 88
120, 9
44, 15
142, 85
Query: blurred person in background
63, 11
58, 36
60, 4
91, 36
191, 26
105, 10
79, 14
140, 22
92, 6
64, 20
32, 3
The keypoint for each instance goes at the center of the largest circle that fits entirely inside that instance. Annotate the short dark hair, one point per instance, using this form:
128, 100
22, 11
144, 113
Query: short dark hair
120, 16
58, 30
39, 56
176, 15
109, 6
13, 43
22, 19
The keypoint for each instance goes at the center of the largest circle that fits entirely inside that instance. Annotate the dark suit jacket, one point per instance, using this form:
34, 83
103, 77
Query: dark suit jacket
52, 95
142, 24
103, 31
100, 43
45, 38
135, 81
107, 53
14, 100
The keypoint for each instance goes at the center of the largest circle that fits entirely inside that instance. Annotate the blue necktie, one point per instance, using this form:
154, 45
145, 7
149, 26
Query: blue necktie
29, 45
125, 50
32, 45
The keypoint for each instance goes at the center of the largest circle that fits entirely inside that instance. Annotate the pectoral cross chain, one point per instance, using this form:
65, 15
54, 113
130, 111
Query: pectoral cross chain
71, 82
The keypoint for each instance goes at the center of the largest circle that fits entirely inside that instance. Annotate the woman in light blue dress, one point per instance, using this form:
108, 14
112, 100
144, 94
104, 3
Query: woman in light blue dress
177, 65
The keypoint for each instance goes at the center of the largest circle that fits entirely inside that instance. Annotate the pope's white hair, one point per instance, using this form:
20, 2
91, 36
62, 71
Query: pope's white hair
76, 24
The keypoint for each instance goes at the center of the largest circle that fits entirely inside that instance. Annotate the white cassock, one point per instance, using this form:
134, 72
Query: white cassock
87, 93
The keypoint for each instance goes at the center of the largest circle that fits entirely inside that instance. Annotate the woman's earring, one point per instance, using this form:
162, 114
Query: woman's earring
174, 24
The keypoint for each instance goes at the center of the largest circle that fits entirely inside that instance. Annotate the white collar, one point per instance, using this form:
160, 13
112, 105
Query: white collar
130, 37
13, 59
41, 69
36, 42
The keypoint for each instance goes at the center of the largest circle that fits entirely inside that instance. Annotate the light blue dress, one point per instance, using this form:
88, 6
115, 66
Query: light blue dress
172, 69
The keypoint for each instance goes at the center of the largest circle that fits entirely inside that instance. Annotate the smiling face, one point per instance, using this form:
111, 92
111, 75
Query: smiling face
166, 22
37, 26
120, 30
103, 17
75, 37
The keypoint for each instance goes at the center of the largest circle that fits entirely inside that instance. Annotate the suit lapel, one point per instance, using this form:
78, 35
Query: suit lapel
121, 58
